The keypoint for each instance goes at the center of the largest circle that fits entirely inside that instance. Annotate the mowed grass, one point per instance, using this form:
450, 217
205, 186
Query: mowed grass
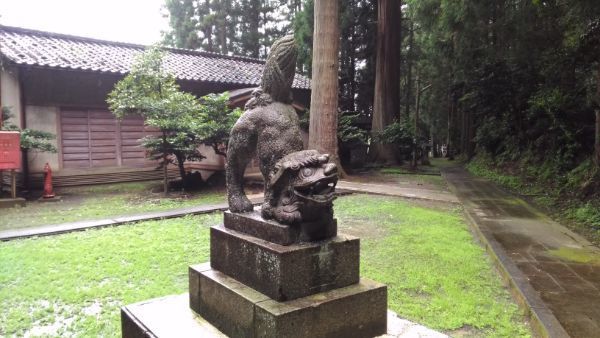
102, 201
74, 284
436, 274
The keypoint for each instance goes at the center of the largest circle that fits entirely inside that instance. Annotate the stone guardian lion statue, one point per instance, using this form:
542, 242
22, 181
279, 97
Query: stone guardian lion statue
269, 128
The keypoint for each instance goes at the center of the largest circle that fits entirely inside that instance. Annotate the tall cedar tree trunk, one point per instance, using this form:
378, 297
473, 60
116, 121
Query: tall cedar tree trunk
208, 33
409, 59
597, 140
324, 95
253, 34
386, 105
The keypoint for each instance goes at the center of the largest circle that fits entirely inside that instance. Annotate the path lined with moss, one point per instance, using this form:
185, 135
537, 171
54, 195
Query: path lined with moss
556, 270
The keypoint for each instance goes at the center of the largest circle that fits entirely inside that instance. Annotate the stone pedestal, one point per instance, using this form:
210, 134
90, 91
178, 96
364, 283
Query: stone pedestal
285, 272
263, 283
358, 310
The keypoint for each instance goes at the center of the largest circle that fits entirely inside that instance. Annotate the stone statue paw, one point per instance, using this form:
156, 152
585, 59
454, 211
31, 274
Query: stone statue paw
285, 214
240, 203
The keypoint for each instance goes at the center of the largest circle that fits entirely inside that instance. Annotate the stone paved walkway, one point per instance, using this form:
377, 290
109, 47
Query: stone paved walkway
554, 271
395, 190
54, 229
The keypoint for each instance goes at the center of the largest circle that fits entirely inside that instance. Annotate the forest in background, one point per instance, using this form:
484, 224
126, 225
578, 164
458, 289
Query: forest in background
511, 85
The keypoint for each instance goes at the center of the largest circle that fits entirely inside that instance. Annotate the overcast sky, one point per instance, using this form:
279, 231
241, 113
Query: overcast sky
135, 21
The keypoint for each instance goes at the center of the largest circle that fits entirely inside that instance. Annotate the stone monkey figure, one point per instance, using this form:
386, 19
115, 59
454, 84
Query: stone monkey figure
269, 127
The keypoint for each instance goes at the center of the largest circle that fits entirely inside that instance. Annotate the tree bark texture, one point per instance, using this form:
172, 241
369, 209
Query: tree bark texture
386, 105
165, 167
409, 60
324, 95
597, 139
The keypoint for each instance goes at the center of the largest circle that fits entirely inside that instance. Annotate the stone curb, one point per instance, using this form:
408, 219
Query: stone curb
49, 230
56, 229
543, 322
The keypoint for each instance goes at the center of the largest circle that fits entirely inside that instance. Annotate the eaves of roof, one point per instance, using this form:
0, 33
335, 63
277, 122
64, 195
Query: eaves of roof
60, 51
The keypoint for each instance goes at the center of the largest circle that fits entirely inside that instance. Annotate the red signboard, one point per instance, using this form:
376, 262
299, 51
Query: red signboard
10, 150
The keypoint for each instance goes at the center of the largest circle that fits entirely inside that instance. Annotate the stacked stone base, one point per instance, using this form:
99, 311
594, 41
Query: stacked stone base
253, 287
358, 310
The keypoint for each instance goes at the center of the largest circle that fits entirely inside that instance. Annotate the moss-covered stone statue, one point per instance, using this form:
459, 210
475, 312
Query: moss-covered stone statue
299, 184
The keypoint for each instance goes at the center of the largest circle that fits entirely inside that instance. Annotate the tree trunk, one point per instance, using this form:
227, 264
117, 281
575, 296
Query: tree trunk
409, 59
324, 96
449, 144
182, 173
165, 169
416, 137
597, 140
253, 17
386, 105
208, 32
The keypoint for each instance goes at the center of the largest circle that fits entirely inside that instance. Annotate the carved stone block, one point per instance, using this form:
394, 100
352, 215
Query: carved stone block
285, 272
358, 310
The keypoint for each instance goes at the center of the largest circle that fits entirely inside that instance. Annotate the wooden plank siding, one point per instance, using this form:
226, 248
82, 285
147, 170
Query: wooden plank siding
92, 138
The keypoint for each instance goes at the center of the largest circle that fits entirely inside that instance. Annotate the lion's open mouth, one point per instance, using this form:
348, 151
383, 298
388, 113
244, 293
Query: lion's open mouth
320, 191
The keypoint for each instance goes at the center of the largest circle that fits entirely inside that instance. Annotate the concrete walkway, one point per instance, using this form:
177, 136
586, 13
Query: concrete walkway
54, 229
554, 272
395, 190
344, 187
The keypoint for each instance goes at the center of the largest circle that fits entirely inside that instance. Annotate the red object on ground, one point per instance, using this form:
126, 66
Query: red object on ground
10, 150
48, 193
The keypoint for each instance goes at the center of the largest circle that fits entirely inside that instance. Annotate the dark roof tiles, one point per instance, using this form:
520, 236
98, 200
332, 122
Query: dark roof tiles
37, 48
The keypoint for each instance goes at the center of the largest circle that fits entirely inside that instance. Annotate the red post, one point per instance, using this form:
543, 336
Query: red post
48, 190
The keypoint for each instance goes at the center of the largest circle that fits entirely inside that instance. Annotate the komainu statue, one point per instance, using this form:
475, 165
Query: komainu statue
299, 184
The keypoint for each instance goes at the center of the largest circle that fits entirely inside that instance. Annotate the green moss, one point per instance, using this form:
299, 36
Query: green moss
576, 255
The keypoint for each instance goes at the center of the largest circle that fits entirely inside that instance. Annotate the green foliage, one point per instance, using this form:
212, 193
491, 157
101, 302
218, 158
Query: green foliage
31, 139
303, 31
401, 135
184, 122
348, 132
516, 78
240, 27
217, 121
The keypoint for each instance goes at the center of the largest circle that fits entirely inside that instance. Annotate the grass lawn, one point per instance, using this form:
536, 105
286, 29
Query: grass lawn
103, 201
74, 284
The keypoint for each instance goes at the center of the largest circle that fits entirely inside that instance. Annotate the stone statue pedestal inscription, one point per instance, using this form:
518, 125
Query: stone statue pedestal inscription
256, 288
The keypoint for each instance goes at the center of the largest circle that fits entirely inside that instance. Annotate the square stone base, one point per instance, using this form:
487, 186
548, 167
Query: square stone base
358, 310
285, 272
12, 202
171, 316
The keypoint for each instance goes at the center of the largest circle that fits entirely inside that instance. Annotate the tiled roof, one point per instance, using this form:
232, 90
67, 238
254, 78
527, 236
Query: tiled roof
37, 48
